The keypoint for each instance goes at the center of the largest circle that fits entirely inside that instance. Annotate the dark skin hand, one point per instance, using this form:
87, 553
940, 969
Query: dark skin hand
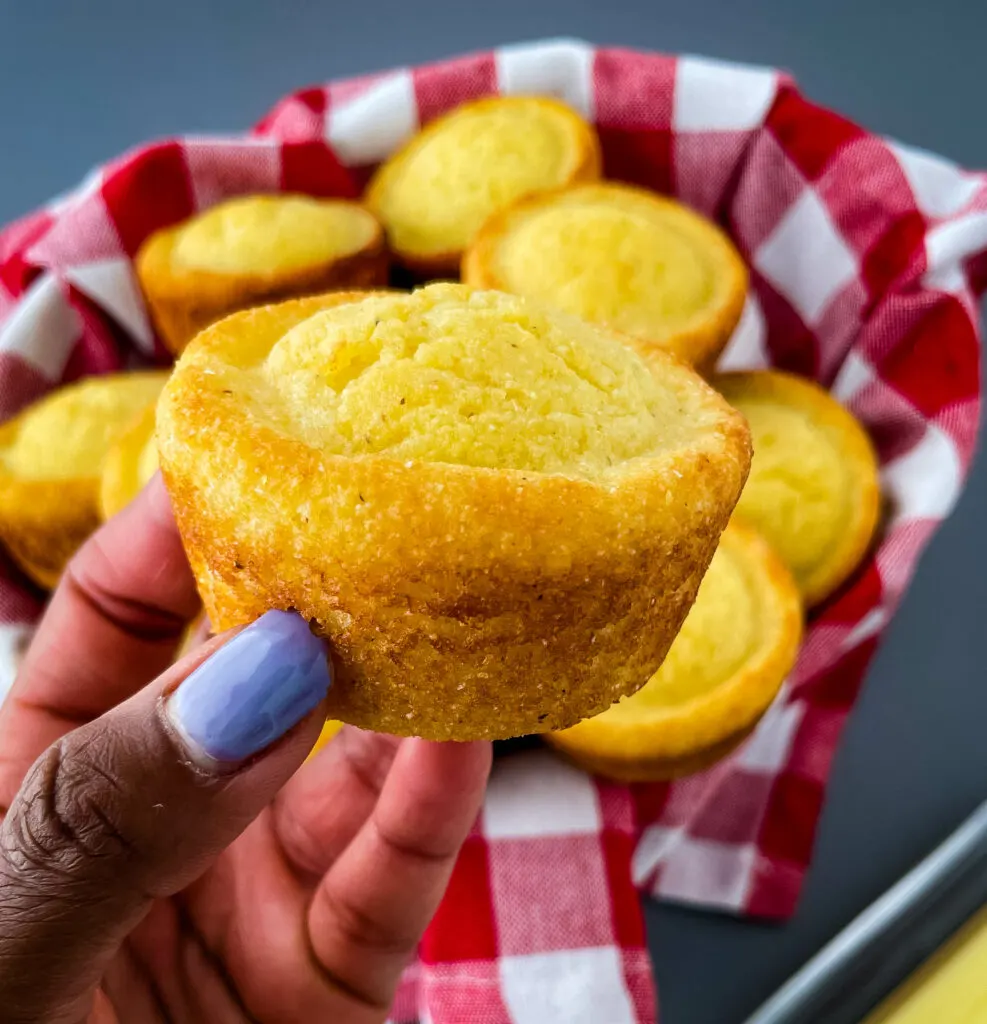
141, 881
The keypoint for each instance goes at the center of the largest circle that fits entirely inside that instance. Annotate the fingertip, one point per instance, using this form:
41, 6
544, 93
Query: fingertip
251, 690
472, 751
454, 767
156, 501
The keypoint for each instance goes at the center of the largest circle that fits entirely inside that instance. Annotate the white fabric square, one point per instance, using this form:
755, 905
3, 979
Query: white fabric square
712, 95
925, 481
768, 748
220, 167
43, 328
950, 243
111, 284
747, 347
371, 126
537, 794
806, 259
519, 871
14, 639
950, 278
578, 986
654, 845
939, 186
561, 68
83, 232
855, 374
89, 186
870, 625
713, 873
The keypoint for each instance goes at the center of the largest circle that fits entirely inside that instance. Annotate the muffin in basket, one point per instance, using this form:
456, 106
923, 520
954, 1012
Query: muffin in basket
637, 262
436, 192
499, 515
129, 464
51, 462
255, 249
814, 490
735, 648
132, 458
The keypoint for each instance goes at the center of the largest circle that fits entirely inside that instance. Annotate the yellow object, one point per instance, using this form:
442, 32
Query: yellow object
256, 249
51, 463
436, 192
498, 514
329, 730
621, 256
130, 463
732, 654
951, 987
271, 234
196, 632
813, 489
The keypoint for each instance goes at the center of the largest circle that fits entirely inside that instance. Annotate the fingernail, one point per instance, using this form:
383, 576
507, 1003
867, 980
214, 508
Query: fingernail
252, 690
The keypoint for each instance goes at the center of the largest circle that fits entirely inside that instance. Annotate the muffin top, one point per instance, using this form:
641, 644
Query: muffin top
66, 435
438, 190
271, 233
481, 379
637, 262
813, 489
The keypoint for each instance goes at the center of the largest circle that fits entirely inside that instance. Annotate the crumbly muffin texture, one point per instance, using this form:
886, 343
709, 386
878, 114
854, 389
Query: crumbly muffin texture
498, 515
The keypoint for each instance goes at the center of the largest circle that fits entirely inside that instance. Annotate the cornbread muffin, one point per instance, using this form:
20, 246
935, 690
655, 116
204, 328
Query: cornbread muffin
734, 650
255, 249
130, 463
51, 463
435, 193
637, 262
132, 459
814, 490
497, 514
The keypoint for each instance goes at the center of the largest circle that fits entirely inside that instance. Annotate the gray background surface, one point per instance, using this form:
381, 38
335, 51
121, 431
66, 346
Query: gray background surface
80, 81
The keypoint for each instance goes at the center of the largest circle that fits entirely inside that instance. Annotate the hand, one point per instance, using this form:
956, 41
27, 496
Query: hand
163, 856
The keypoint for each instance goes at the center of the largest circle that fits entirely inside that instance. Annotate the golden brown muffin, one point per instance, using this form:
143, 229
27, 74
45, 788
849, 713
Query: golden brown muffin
814, 490
732, 654
497, 514
436, 192
133, 458
129, 464
637, 262
255, 249
51, 463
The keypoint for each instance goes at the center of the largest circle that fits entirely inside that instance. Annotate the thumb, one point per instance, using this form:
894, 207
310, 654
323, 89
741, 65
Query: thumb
136, 804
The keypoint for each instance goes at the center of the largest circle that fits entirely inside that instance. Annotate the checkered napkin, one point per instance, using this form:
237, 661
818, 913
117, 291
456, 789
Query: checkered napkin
865, 256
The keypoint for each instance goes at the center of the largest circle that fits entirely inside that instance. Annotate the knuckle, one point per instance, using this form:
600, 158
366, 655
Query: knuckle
369, 756
303, 848
67, 816
363, 929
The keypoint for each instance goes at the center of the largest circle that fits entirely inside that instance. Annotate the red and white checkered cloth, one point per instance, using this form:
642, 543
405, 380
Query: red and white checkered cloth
866, 257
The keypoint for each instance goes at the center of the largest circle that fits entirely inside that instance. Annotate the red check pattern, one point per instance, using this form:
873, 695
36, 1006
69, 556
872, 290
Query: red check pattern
866, 258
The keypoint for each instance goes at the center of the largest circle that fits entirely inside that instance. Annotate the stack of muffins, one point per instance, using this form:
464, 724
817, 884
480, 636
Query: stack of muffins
579, 351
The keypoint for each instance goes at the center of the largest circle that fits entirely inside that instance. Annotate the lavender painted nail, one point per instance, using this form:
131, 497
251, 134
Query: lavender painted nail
252, 690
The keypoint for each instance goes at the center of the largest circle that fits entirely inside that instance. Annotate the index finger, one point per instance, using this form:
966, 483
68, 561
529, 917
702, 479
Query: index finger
112, 625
